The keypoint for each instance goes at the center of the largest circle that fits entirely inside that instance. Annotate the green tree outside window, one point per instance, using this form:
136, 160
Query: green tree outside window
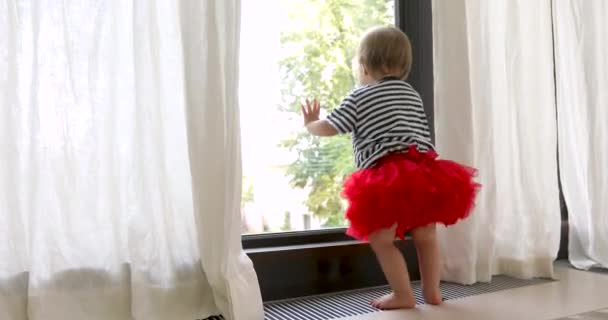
319, 48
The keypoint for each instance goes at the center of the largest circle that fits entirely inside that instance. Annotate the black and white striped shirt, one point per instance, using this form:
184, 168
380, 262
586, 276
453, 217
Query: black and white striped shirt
385, 117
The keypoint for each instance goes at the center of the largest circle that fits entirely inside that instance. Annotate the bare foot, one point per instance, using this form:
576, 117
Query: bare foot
391, 302
433, 296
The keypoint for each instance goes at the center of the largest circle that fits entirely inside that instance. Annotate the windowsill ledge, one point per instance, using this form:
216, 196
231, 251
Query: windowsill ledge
311, 246
302, 247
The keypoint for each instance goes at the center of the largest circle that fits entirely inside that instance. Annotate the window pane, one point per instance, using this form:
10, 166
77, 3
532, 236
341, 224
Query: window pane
290, 50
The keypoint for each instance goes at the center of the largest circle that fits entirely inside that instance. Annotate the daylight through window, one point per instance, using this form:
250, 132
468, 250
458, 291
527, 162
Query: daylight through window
289, 51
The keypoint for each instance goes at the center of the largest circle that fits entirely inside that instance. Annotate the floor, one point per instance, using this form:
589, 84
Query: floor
577, 295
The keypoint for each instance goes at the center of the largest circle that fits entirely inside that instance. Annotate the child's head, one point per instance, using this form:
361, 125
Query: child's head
383, 52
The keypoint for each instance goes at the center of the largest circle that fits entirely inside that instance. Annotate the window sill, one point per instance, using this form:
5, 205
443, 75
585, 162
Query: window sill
301, 247
296, 238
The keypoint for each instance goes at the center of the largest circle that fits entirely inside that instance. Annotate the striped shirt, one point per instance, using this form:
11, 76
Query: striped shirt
386, 117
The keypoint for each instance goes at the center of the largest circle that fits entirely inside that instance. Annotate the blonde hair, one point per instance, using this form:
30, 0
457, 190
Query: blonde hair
385, 51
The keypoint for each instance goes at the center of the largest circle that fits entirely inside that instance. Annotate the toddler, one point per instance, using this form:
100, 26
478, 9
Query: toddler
401, 186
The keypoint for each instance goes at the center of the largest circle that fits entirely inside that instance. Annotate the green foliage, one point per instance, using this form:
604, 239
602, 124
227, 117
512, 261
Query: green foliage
318, 50
286, 222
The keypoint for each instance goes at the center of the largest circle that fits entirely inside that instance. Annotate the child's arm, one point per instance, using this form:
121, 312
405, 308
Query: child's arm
321, 128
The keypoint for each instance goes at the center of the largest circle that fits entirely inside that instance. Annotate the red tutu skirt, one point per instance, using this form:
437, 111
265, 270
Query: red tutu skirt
410, 190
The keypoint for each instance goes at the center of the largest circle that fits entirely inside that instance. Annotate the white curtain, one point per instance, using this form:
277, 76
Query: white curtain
495, 110
120, 171
581, 47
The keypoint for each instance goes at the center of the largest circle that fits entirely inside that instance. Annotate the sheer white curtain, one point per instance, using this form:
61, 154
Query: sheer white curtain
119, 179
495, 110
581, 46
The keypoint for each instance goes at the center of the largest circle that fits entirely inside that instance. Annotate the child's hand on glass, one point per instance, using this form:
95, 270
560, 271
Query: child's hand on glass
311, 111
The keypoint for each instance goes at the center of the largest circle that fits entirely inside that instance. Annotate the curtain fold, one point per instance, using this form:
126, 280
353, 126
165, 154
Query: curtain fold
495, 110
214, 136
581, 45
112, 157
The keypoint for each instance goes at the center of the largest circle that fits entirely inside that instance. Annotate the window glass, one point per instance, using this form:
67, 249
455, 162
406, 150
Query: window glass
290, 50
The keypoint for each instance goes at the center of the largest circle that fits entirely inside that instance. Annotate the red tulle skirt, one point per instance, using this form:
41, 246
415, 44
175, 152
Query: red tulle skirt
410, 190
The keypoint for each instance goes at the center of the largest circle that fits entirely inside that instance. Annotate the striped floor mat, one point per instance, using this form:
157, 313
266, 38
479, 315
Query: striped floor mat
339, 305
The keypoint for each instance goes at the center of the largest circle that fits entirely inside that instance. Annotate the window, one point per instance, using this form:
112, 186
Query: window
289, 51
320, 252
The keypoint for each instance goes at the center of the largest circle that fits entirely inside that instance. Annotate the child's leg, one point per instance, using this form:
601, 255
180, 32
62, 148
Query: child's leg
427, 247
394, 267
